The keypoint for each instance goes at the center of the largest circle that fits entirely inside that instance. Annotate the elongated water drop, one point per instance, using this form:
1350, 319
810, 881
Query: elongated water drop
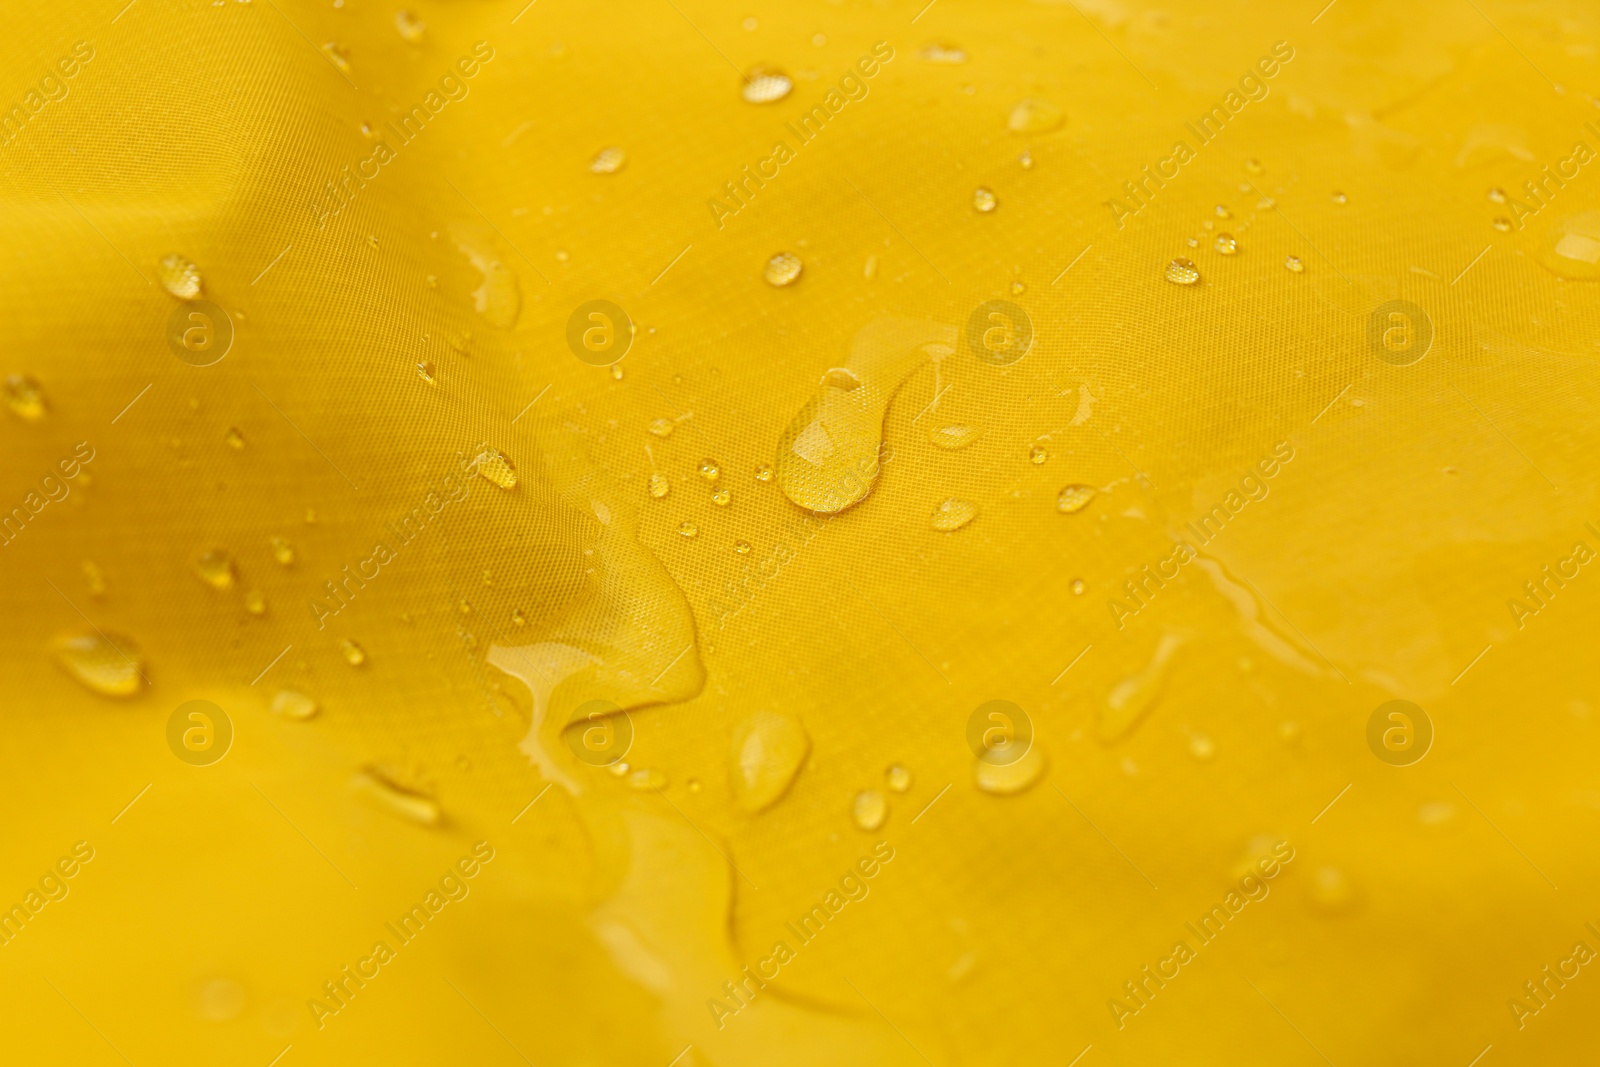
767, 750
496, 467
293, 704
954, 514
1008, 779
108, 664
179, 276
954, 437
381, 786
1572, 250
1131, 699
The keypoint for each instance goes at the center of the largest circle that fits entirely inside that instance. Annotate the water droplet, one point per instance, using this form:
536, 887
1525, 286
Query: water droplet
616, 372
1293, 263
1340, 198
1497, 196
1183, 272
709, 470
1018, 287
1009, 779
1038, 454
693, 785
828, 456
234, 438
410, 26
1035, 116
409, 802
1253, 166
953, 514
869, 809
766, 85
94, 578
1572, 249
427, 370
496, 467
954, 437
1331, 889
941, 52
1501, 223
25, 396
767, 750
608, 161
1132, 698
1074, 498
293, 704
340, 56
783, 269
659, 485
109, 664
1026, 160
282, 551
763, 473
647, 778
983, 199
179, 276
518, 618
721, 497
464, 606
255, 603
1226, 245
662, 427
353, 653
897, 778
619, 769
499, 298
1079, 586
687, 528
216, 569
1202, 747
311, 516
742, 547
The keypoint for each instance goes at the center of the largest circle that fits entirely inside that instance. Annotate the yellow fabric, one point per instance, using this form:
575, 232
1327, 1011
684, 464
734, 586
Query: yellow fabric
1384, 530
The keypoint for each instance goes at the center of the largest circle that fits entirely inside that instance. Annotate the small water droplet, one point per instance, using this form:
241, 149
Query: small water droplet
339, 54
619, 769
767, 750
869, 809
234, 438
869, 269
495, 466
427, 370
1130, 700
1009, 779
410, 26
1501, 223
616, 372
763, 473
766, 85
943, 52
1572, 248
282, 551
179, 276
783, 269
464, 606
608, 161
647, 778
1340, 198
25, 396
709, 470
687, 528
721, 497
353, 653
1253, 166
293, 704
1026, 160
1289, 732
983, 199
661, 427
108, 664
1223, 212
1035, 116
255, 603
1497, 196
216, 569
1074, 498
659, 485
407, 801
1436, 813
897, 778
1202, 747
953, 514
1182, 272
1038, 455
742, 547
1226, 245
693, 785
518, 618
1293, 263
1331, 889
1079, 586
954, 437
94, 578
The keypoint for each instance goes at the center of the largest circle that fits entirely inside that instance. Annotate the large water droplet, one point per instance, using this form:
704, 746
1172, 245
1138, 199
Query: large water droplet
783, 269
380, 785
25, 397
659, 485
499, 298
1572, 249
496, 467
179, 276
983, 199
1132, 698
1182, 272
1073, 498
953, 514
1035, 116
828, 454
767, 750
869, 809
766, 85
292, 704
108, 664
954, 437
1008, 779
